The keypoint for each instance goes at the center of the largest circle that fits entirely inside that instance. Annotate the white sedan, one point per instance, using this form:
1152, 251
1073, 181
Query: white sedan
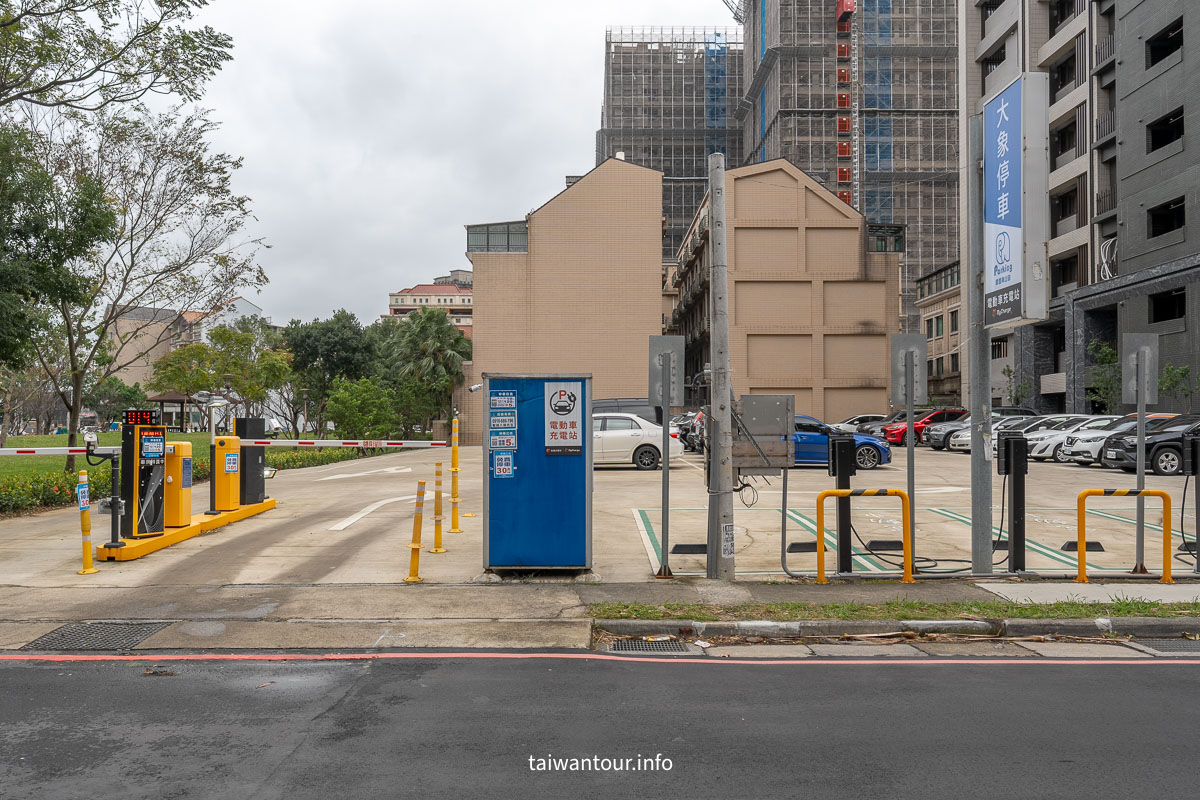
1050, 443
629, 439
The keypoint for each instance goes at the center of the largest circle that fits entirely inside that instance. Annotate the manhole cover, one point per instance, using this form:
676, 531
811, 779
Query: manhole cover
1073, 547
803, 547
690, 549
642, 646
97, 636
1179, 645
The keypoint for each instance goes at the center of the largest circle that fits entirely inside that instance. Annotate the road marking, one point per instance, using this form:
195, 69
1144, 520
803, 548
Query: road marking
353, 518
390, 470
652, 549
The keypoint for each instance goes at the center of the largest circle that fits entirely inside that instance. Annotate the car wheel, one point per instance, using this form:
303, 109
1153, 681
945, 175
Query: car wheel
1058, 456
935, 446
1166, 461
866, 457
645, 457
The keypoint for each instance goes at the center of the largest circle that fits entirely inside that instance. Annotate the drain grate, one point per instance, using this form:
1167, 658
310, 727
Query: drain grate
1073, 547
885, 544
1179, 645
642, 646
803, 547
690, 549
97, 636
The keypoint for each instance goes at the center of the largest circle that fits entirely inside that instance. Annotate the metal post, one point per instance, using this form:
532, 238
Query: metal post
1195, 445
115, 503
910, 388
1139, 568
978, 359
437, 510
720, 487
664, 569
845, 546
83, 495
454, 476
212, 463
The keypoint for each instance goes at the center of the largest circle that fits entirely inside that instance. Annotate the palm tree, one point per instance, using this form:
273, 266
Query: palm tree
430, 349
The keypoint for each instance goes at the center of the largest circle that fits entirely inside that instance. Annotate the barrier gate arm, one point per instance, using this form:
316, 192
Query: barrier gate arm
1081, 517
904, 523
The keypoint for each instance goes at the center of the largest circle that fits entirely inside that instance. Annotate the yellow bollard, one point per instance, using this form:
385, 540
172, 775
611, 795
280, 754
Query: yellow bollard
414, 559
437, 511
85, 522
454, 477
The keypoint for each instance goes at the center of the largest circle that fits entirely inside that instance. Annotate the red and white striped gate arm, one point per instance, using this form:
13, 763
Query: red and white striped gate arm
53, 451
366, 443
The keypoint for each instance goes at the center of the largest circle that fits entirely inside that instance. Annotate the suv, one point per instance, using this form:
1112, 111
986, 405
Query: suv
1164, 445
897, 433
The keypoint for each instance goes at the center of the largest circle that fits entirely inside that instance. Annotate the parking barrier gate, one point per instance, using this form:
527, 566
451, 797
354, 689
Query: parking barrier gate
904, 522
1082, 525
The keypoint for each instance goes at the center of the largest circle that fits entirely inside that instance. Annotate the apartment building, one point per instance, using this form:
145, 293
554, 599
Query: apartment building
864, 99
1122, 256
812, 297
669, 100
453, 297
574, 287
943, 320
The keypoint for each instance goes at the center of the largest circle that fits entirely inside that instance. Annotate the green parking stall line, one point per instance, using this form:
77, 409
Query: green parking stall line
1038, 547
1175, 532
650, 532
831, 540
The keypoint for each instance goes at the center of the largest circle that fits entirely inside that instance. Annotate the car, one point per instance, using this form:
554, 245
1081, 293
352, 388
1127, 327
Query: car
629, 439
897, 432
1048, 444
1083, 447
810, 440
1013, 411
850, 424
876, 428
1164, 445
628, 405
960, 440
691, 429
1028, 425
938, 435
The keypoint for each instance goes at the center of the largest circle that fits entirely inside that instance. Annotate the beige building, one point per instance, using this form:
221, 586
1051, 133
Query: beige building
811, 305
943, 319
453, 298
576, 286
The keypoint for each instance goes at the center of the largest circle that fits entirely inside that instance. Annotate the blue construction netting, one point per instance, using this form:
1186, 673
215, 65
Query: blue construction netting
716, 90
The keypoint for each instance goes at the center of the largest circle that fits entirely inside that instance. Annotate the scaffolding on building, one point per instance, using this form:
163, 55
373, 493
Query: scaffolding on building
669, 101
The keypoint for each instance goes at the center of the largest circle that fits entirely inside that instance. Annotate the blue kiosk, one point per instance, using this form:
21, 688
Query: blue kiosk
537, 482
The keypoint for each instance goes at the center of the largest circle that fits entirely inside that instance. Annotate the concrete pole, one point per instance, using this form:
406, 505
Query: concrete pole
720, 481
979, 359
664, 569
1140, 549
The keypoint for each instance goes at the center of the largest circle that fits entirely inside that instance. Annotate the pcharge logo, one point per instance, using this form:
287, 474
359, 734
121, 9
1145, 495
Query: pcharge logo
562, 402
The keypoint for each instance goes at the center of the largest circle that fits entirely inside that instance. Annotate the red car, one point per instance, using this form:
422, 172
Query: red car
895, 433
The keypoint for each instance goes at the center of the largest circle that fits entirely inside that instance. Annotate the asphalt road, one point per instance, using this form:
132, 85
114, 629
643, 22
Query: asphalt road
467, 727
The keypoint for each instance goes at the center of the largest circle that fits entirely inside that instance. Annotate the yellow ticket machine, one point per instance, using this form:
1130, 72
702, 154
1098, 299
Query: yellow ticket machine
177, 500
227, 473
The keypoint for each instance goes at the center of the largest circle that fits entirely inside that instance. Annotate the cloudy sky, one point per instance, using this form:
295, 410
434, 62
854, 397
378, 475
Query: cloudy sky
373, 130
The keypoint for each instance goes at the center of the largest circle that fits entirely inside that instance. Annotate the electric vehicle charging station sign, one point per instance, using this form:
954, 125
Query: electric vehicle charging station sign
537, 499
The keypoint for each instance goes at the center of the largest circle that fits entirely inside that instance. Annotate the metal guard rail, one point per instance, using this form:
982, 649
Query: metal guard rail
907, 531
1081, 522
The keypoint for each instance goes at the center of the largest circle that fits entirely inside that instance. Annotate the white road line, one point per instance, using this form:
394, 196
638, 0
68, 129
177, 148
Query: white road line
353, 518
392, 470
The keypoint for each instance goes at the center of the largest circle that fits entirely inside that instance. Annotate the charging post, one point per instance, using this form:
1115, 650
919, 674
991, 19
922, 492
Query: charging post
1139, 384
909, 387
1012, 460
1190, 467
842, 467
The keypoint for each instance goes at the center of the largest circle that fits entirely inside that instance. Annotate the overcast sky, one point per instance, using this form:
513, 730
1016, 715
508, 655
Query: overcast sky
373, 130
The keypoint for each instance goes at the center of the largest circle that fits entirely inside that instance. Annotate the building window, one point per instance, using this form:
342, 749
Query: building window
954, 362
1164, 130
1164, 43
999, 348
929, 368
929, 328
954, 322
1165, 218
938, 320
1168, 305
940, 364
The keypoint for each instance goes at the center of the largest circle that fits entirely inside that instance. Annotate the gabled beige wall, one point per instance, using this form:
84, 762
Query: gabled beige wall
586, 296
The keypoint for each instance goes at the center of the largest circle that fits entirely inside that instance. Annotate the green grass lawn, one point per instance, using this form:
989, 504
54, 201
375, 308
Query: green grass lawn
30, 465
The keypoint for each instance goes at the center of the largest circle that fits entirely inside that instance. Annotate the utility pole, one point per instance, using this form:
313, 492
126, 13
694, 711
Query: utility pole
979, 362
720, 475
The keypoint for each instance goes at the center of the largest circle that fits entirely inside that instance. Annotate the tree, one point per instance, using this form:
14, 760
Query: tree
110, 396
1017, 392
45, 225
178, 245
1105, 389
86, 54
1177, 382
363, 409
429, 349
324, 351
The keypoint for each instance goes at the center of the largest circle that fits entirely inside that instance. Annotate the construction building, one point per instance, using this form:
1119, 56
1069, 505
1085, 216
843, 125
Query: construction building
813, 297
1122, 254
865, 100
669, 101
575, 287
454, 298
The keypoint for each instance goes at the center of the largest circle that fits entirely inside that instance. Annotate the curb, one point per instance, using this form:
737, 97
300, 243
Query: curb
1144, 627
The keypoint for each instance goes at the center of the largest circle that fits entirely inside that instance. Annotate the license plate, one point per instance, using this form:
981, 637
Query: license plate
1110, 453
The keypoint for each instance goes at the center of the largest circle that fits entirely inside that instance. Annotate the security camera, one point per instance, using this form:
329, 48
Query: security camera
475, 388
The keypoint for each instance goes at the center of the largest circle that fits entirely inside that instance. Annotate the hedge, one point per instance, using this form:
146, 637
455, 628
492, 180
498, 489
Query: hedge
55, 489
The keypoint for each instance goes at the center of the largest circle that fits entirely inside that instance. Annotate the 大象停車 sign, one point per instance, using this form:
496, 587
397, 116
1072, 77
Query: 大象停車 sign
564, 418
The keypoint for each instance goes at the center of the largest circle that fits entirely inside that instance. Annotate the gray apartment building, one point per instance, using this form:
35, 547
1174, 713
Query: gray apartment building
864, 98
1123, 258
669, 98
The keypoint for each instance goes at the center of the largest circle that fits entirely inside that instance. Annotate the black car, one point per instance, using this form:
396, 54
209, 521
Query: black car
1164, 445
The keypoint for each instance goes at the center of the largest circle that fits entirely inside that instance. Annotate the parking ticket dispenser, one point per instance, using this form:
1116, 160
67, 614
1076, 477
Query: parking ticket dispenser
254, 459
227, 473
537, 471
177, 493
143, 458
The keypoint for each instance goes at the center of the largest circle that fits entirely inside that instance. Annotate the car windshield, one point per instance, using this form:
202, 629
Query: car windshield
1174, 424
1025, 423
1095, 424
1065, 425
1121, 424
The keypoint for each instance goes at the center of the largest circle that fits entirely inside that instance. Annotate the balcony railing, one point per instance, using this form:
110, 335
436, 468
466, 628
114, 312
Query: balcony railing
1106, 200
1106, 124
1064, 225
1105, 49
1065, 157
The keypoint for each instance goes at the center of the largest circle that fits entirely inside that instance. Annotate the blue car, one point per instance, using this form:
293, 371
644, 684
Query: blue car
811, 441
